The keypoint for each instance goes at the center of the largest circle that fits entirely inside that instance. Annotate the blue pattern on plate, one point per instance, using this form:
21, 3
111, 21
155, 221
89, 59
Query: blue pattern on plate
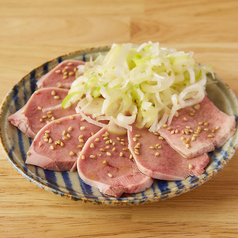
70, 184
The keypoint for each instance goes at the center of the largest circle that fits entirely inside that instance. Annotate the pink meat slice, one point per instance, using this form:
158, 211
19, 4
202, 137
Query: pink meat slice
199, 129
155, 157
57, 144
43, 106
61, 76
107, 164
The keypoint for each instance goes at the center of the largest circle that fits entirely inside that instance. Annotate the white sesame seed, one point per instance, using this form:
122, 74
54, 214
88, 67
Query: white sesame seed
137, 145
57, 71
185, 119
40, 143
82, 128
108, 153
71, 153
97, 139
104, 161
71, 117
209, 136
121, 154
52, 147
92, 156
197, 106
56, 97
157, 154
92, 145
82, 157
40, 108
190, 166
101, 149
109, 175
28, 153
205, 123
70, 128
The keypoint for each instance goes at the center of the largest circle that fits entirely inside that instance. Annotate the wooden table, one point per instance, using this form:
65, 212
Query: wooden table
32, 32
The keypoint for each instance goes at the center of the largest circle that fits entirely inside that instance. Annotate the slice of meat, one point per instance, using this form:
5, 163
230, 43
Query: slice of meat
61, 76
57, 144
155, 157
199, 129
43, 106
107, 164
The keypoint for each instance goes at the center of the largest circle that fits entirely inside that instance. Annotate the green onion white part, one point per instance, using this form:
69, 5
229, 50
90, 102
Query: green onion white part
146, 85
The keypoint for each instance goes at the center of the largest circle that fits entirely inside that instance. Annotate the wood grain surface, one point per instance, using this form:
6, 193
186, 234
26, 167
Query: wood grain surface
32, 32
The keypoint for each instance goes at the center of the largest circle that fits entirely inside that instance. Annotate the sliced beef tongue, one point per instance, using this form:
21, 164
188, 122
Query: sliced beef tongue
107, 164
43, 107
155, 157
199, 129
61, 76
57, 145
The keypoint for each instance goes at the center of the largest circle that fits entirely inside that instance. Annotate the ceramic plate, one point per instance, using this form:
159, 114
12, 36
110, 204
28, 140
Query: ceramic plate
69, 184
